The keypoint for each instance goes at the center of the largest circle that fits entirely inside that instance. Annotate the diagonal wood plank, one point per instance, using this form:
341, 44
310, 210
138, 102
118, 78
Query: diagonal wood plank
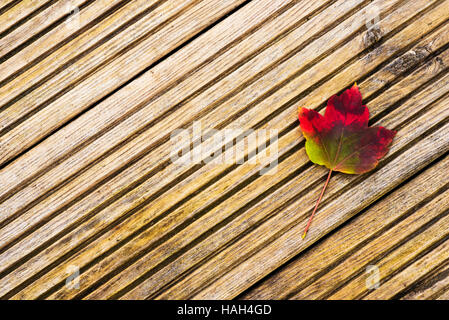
70, 140
93, 49
27, 217
413, 272
236, 275
39, 23
193, 206
367, 255
89, 118
409, 203
20, 11
18, 64
444, 296
259, 239
193, 21
432, 287
5, 5
15, 201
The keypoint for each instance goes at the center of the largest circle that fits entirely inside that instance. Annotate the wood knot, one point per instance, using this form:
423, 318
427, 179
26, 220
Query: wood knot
372, 35
407, 60
435, 65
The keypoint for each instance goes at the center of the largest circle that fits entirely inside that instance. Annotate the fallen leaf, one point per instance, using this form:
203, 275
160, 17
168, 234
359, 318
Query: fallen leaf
341, 139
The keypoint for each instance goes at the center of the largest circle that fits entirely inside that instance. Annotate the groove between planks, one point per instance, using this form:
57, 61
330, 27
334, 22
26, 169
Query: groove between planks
440, 2
406, 202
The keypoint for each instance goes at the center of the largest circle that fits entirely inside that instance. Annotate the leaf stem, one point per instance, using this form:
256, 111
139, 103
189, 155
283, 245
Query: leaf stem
317, 203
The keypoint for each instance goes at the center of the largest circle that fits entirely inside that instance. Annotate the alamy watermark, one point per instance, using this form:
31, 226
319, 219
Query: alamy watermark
73, 20
372, 17
73, 280
372, 280
227, 146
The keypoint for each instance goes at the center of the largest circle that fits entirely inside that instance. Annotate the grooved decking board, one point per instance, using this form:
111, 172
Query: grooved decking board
88, 104
410, 203
434, 285
18, 12
444, 295
39, 23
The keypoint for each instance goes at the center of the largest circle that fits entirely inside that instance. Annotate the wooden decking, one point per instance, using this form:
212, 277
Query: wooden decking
93, 205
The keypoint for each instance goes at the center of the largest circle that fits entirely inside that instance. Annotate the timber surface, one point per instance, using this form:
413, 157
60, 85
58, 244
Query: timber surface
91, 92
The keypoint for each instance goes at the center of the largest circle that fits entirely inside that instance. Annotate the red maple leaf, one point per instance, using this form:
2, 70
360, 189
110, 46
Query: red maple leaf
341, 139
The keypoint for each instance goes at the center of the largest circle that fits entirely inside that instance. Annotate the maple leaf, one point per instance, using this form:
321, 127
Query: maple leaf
341, 139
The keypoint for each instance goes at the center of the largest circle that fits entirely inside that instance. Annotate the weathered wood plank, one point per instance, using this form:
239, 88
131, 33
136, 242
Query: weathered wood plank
14, 200
293, 167
200, 223
432, 287
232, 270
47, 42
413, 272
370, 224
69, 139
101, 193
55, 114
444, 296
75, 185
7, 4
258, 13
247, 195
37, 24
387, 241
216, 290
89, 49
18, 12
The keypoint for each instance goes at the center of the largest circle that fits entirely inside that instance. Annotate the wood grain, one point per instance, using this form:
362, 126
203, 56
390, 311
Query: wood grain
417, 269
444, 296
433, 286
322, 262
87, 114
101, 220
29, 132
242, 250
19, 12
38, 24
398, 258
